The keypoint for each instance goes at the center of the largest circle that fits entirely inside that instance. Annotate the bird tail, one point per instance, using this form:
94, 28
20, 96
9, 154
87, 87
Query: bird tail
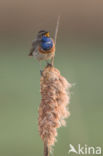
31, 52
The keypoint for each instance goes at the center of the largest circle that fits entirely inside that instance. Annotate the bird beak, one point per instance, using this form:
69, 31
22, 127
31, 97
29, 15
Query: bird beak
47, 34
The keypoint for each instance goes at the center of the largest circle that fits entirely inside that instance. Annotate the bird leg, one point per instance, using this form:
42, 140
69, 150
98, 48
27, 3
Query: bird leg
52, 61
48, 64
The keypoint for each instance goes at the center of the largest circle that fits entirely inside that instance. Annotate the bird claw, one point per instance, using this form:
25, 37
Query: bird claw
49, 65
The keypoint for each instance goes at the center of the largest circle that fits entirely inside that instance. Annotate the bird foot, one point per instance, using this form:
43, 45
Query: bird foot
49, 65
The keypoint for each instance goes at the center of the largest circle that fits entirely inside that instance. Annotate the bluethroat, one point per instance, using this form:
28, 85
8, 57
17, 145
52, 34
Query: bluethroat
43, 46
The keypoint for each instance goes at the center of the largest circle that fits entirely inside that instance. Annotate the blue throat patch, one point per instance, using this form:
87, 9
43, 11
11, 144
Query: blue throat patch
46, 43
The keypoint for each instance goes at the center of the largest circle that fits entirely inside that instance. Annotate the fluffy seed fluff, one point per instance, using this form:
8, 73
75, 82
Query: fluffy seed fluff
53, 110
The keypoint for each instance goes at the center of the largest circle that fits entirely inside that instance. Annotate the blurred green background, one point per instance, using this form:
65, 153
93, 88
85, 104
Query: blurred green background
79, 57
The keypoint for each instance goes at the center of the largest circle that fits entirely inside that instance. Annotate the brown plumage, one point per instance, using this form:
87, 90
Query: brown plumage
37, 50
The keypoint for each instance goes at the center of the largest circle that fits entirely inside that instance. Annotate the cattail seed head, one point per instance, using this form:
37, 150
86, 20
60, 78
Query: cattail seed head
53, 110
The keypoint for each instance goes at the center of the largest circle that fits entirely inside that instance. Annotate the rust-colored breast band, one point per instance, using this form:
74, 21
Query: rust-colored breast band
52, 50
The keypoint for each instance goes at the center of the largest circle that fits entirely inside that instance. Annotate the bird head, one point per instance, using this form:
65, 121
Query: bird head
42, 33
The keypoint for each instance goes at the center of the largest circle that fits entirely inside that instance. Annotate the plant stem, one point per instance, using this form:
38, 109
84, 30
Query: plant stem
46, 150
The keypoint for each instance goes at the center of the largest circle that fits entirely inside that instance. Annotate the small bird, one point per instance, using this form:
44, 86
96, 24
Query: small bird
43, 46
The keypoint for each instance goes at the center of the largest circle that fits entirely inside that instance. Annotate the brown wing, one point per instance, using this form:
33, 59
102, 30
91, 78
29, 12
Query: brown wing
35, 43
